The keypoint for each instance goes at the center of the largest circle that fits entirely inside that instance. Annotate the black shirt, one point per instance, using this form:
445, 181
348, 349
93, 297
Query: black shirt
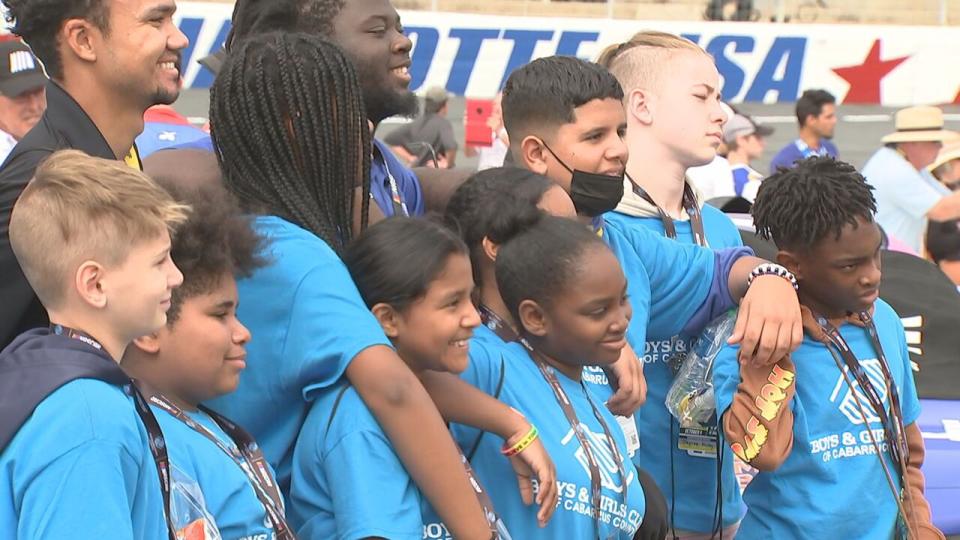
63, 125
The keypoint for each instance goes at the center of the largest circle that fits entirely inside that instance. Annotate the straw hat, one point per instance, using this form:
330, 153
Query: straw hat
919, 124
949, 152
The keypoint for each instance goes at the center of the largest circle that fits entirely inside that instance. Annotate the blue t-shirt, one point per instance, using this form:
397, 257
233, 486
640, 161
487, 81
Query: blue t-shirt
161, 136
525, 389
348, 482
80, 468
382, 166
693, 485
797, 150
228, 494
308, 322
832, 480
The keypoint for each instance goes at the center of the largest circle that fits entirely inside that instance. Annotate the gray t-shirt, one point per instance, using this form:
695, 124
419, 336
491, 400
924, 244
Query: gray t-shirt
432, 129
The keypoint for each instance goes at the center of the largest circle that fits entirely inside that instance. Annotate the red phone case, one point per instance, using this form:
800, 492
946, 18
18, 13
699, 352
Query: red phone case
476, 130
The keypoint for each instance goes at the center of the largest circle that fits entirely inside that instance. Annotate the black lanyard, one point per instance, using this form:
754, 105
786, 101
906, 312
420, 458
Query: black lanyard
577, 427
689, 205
893, 427
399, 205
496, 323
156, 441
246, 454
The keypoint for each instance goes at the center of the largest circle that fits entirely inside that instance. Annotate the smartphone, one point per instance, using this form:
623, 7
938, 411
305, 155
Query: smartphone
476, 130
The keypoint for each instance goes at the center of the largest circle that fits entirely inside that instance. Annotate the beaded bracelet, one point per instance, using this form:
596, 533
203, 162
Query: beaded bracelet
522, 444
771, 269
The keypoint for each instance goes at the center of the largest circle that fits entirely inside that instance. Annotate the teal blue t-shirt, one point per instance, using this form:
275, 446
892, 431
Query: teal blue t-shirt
308, 322
81, 468
524, 388
832, 481
228, 494
691, 488
347, 481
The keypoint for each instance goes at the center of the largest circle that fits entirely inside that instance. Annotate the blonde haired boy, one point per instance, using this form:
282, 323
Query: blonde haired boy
93, 239
675, 122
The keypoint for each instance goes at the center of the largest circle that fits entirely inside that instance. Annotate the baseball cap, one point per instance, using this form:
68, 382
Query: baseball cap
436, 94
741, 125
20, 70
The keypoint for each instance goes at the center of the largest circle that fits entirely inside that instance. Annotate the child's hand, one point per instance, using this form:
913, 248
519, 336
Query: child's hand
768, 324
626, 377
534, 461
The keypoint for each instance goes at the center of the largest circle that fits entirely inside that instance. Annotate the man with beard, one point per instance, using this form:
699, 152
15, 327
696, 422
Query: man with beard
108, 61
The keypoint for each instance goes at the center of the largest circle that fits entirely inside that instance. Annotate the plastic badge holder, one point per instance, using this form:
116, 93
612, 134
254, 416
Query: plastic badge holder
188, 509
690, 398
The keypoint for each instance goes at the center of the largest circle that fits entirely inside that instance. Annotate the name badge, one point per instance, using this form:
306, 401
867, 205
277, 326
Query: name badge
629, 427
698, 441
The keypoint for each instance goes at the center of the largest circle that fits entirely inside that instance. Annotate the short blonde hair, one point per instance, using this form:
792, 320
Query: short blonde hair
79, 208
640, 61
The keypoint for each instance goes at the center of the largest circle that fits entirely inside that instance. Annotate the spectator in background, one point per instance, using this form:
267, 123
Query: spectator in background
817, 115
713, 179
432, 128
946, 168
943, 246
907, 194
745, 143
494, 155
23, 95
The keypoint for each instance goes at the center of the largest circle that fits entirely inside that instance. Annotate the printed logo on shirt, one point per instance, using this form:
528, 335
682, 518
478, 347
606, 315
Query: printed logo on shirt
594, 375
604, 455
664, 350
848, 403
21, 61
436, 531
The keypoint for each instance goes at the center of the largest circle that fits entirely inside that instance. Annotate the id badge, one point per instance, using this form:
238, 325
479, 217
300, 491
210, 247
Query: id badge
629, 427
698, 441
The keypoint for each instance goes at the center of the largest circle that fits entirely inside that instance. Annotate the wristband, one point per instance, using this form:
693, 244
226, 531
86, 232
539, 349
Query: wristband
522, 444
771, 269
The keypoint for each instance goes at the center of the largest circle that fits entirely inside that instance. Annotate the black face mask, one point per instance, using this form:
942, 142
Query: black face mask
593, 194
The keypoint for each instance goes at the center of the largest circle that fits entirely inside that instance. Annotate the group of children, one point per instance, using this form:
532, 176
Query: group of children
295, 379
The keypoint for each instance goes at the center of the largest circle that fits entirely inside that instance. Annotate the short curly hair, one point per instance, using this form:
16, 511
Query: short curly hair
39, 21
217, 239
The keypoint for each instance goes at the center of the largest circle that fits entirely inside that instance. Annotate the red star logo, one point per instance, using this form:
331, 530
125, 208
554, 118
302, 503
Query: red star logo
865, 79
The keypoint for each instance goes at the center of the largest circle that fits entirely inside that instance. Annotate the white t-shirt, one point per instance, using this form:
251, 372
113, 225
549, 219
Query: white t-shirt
713, 179
7, 142
492, 156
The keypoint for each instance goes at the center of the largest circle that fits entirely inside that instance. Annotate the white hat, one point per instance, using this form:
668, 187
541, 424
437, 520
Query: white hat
919, 124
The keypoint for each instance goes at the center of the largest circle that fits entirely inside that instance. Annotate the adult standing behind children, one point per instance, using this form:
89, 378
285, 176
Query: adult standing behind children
745, 140
674, 122
23, 94
817, 116
907, 194
108, 60
78, 456
431, 132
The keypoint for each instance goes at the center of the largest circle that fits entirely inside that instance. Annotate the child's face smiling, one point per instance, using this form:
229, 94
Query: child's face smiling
593, 142
433, 332
842, 275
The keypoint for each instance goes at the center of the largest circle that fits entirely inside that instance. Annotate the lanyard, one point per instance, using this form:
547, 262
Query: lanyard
399, 205
246, 454
156, 442
806, 151
689, 205
892, 427
496, 323
498, 530
564, 401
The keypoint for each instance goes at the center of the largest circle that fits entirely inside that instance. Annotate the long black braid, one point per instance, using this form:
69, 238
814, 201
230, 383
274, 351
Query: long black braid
289, 124
800, 206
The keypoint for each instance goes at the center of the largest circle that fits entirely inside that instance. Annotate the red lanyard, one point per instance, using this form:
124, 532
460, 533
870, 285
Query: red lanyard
578, 428
246, 454
689, 204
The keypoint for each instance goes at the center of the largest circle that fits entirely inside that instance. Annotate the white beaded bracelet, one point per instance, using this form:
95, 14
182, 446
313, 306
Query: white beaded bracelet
771, 269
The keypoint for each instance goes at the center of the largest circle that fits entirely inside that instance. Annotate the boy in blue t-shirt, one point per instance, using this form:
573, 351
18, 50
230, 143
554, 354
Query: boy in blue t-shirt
93, 239
673, 122
832, 428
199, 355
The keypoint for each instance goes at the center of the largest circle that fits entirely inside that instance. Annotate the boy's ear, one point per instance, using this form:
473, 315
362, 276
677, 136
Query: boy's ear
79, 36
149, 343
489, 248
87, 282
640, 106
533, 318
388, 318
791, 262
533, 155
